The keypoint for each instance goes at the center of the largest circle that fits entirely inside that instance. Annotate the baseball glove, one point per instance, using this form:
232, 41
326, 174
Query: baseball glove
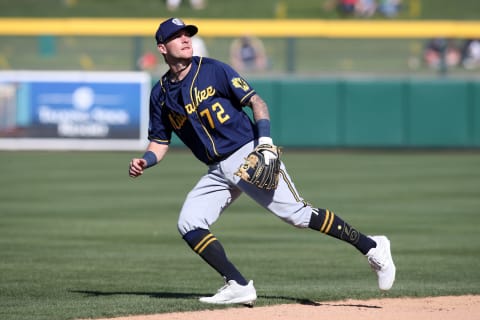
261, 169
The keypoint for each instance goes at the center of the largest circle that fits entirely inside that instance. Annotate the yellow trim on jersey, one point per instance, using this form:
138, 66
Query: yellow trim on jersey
160, 141
161, 85
196, 110
246, 96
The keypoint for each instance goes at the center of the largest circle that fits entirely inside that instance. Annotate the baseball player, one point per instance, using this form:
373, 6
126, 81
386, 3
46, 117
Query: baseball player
202, 100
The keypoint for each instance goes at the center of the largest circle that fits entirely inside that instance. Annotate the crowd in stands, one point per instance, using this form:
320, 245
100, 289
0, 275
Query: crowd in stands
173, 5
446, 53
368, 8
248, 54
438, 53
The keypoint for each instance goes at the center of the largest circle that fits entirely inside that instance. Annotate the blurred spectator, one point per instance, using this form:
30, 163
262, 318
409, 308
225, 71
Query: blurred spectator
248, 54
365, 8
440, 53
471, 54
389, 8
199, 47
147, 62
173, 5
346, 7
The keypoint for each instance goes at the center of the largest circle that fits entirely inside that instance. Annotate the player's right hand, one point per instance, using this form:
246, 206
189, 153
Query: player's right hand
136, 167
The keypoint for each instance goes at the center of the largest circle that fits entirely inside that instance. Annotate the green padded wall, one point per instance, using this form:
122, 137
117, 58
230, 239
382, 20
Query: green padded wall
374, 113
308, 113
438, 113
475, 115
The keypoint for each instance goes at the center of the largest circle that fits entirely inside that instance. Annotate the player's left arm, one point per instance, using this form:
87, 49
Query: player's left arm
259, 107
262, 165
262, 119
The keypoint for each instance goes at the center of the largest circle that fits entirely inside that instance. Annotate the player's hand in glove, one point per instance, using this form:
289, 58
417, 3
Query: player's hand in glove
268, 149
262, 165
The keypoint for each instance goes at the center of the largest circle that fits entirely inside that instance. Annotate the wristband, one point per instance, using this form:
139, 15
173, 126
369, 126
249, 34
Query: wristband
263, 127
265, 140
151, 159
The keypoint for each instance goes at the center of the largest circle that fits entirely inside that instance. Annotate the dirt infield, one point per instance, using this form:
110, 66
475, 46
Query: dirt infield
438, 308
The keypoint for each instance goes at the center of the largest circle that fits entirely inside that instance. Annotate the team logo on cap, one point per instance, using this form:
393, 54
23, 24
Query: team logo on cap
178, 22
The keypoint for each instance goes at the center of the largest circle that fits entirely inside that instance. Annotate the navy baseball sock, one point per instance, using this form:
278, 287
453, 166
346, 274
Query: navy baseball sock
326, 221
209, 248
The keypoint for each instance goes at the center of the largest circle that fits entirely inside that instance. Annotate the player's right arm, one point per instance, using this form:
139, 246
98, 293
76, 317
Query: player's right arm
154, 154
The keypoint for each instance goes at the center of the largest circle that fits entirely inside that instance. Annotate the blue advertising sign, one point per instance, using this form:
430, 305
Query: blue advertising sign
85, 110
78, 105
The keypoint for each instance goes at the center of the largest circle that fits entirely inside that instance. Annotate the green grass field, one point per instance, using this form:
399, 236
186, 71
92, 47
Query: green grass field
80, 239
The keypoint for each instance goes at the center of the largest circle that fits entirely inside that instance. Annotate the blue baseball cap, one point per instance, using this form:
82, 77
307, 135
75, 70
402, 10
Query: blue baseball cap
171, 26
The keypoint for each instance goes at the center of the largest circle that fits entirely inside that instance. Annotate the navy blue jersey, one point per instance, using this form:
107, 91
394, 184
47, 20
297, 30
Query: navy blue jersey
205, 110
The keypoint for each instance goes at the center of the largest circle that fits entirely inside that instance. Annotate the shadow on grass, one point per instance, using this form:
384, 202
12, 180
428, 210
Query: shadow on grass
159, 295
181, 295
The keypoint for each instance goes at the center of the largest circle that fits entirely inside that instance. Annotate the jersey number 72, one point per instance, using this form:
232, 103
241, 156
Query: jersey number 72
217, 111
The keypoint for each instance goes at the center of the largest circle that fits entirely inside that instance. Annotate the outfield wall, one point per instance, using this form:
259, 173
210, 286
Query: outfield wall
313, 112
374, 112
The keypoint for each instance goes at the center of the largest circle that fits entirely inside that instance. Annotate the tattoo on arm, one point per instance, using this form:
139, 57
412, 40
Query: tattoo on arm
259, 107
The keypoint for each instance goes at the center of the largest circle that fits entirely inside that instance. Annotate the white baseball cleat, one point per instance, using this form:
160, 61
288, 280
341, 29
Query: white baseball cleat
232, 292
380, 259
